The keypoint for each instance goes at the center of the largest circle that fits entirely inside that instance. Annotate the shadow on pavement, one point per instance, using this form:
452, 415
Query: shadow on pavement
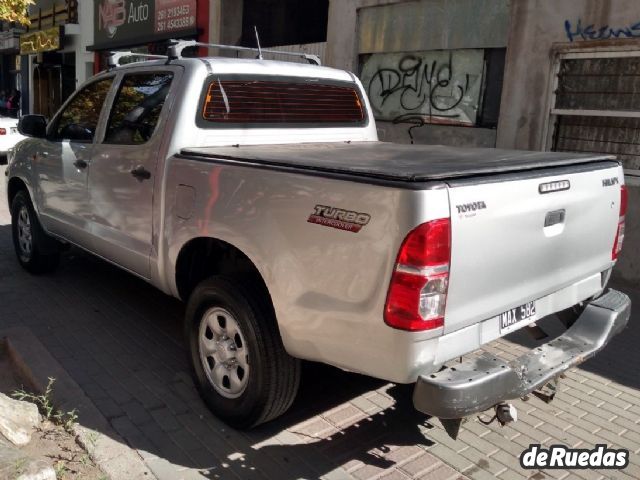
121, 340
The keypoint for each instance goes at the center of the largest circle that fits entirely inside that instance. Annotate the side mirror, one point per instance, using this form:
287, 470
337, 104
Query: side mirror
33, 126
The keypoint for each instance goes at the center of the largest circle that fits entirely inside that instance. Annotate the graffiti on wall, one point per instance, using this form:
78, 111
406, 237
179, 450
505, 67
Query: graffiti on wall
603, 32
425, 87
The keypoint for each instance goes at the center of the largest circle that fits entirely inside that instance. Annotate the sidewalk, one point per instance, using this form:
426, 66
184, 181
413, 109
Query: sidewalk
121, 341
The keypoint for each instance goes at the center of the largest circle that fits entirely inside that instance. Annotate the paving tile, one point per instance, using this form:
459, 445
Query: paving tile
442, 472
482, 461
367, 472
420, 465
137, 413
510, 474
394, 475
450, 457
166, 419
337, 474
108, 408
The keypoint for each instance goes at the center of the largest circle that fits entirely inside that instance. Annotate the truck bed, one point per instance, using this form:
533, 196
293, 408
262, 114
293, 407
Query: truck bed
390, 161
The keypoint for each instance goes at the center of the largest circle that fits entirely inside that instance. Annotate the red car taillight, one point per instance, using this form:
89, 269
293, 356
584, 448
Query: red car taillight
617, 244
3, 131
418, 290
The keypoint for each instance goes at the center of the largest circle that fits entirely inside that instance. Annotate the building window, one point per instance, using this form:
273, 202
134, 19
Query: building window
447, 87
78, 121
284, 22
595, 104
265, 101
137, 107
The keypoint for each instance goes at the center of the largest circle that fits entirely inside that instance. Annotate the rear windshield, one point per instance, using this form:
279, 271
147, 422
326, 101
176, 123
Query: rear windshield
264, 102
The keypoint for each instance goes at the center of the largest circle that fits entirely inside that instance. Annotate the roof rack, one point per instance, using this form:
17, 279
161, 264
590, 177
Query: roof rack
177, 46
115, 57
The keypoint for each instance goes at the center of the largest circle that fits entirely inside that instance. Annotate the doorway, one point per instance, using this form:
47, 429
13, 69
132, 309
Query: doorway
53, 82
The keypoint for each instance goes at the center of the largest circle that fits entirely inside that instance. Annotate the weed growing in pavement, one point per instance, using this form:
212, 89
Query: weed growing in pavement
66, 420
60, 468
92, 439
89, 445
45, 405
19, 466
85, 459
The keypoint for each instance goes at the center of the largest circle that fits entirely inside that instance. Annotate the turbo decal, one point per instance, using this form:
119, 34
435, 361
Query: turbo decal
337, 218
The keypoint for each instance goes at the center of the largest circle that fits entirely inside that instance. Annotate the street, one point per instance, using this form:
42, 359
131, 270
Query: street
121, 341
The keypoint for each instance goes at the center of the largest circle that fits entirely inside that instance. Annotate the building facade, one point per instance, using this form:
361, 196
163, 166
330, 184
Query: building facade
572, 83
67, 41
10, 62
144, 26
52, 57
524, 74
433, 68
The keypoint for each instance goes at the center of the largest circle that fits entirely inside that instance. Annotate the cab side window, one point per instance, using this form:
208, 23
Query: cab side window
137, 108
79, 120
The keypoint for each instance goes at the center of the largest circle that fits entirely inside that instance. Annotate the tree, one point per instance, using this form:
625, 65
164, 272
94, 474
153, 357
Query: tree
15, 11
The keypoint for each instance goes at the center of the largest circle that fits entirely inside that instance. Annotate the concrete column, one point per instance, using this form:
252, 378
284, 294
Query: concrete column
26, 84
342, 35
84, 58
342, 31
225, 22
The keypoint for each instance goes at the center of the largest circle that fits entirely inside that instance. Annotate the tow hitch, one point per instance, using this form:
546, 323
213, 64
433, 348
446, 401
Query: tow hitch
486, 381
506, 413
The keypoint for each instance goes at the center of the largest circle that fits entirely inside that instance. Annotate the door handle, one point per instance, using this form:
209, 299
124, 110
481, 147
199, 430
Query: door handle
80, 164
141, 173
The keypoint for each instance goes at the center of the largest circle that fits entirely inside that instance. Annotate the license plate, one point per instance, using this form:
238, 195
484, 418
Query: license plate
511, 319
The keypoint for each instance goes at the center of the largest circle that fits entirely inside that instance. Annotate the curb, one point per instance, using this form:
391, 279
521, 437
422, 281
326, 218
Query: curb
106, 447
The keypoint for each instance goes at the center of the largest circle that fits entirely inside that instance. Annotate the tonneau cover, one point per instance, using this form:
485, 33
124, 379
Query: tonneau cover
391, 161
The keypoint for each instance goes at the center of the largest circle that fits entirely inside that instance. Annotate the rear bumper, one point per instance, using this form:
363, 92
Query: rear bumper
482, 382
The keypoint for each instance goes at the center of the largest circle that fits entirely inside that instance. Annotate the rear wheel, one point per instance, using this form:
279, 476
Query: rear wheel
239, 362
36, 251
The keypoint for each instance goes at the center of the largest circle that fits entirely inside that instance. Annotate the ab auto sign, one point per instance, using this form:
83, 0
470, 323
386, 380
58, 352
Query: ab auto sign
119, 23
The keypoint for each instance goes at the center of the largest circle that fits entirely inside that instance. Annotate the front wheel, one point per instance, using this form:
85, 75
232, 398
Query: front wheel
36, 251
239, 362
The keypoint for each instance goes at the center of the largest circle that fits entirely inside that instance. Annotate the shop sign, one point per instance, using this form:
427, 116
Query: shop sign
133, 22
41, 41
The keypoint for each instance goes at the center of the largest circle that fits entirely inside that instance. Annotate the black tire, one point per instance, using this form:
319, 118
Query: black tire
274, 376
43, 256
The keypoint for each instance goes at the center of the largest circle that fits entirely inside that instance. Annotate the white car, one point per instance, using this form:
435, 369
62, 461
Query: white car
9, 136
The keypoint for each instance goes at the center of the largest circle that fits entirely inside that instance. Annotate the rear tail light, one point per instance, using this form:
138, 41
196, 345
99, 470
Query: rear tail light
3, 131
418, 290
617, 244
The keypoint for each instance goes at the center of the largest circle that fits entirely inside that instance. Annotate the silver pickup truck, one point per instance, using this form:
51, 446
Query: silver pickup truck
257, 192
